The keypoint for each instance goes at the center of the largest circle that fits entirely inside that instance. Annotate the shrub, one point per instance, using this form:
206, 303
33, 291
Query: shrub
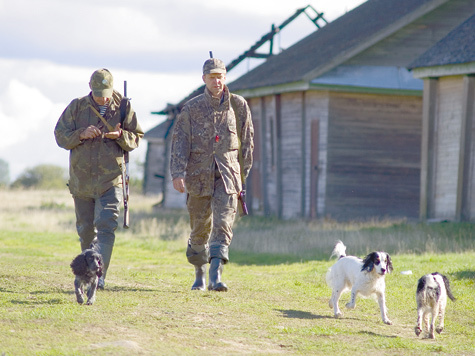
43, 176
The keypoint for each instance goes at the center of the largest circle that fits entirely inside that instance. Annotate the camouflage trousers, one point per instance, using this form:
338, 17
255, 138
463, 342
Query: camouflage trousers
96, 220
211, 221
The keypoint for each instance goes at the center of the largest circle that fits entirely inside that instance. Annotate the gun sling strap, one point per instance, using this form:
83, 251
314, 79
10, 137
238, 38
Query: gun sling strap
122, 108
109, 126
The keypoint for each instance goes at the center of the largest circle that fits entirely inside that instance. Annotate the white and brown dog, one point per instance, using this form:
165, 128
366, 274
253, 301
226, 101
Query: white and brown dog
431, 298
365, 277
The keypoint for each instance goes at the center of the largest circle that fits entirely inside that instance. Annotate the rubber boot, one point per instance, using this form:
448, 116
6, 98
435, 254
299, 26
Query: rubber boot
106, 252
215, 272
200, 281
198, 256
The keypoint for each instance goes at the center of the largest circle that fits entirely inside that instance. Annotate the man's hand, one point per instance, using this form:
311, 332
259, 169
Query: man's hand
114, 134
93, 132
90, 132
179, 184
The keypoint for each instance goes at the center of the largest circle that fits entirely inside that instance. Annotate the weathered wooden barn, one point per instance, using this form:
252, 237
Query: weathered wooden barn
448, 130
157, 175
338, 116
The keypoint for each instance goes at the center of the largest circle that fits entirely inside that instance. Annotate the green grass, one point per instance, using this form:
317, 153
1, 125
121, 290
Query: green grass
277, 302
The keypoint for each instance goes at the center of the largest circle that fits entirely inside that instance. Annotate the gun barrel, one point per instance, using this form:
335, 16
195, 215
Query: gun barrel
125, 172
243, 211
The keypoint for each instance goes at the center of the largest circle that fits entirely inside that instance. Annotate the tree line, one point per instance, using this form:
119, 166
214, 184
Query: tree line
44, 176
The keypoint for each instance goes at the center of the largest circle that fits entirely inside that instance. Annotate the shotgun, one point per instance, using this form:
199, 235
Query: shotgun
242, 202
125, 166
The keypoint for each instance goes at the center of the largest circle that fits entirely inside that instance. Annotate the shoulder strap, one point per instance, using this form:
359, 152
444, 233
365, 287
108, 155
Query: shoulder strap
109, 126
122, 108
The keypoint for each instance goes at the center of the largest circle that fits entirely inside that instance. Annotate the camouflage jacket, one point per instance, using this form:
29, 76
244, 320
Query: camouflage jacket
95, 165
205, 136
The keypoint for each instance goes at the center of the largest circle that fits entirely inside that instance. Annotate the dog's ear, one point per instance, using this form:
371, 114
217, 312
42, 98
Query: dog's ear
368, 262
421, 284
390, 263
101, 260
101, 264
79, 265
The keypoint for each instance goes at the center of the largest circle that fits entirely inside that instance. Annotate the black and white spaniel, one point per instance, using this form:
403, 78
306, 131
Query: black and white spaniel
87, 267
431, 298
365, 277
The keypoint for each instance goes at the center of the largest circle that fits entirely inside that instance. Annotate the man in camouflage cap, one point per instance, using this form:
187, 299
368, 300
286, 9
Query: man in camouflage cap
96, 158
209, 132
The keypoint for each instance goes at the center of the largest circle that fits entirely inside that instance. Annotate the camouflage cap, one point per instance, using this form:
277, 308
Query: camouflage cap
101, 83
214, 65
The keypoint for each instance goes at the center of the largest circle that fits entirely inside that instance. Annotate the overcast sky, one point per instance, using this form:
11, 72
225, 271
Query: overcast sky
49, 49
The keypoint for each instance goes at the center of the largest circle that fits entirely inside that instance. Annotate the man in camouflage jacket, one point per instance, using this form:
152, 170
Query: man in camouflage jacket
96, 159
205, 161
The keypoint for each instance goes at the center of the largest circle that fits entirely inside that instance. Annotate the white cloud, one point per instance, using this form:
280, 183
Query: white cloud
26, 114
26, 104
51, 47
157, 35
24, 109
33, 95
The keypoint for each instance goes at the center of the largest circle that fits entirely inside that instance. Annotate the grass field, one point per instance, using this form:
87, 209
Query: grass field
277, 302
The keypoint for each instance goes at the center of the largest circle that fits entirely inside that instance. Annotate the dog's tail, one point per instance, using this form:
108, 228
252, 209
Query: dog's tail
339, 250
447, 287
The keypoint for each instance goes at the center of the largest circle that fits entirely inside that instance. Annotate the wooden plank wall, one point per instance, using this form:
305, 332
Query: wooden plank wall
373, 156
155, 159
255, 193
171, 198
317, 104
469, 173
291, 157
288, 174
263, 111
270, 139
429, 104
368, 154
465, 192
447, 140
